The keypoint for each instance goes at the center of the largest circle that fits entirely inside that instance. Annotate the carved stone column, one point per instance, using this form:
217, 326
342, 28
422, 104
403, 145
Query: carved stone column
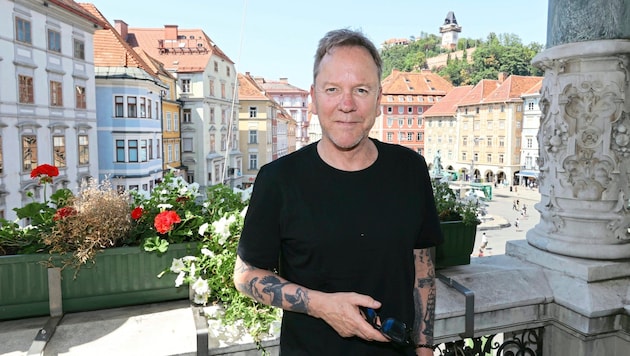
584, 135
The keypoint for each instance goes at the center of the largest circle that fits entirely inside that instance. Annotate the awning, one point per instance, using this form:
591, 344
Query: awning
533, 174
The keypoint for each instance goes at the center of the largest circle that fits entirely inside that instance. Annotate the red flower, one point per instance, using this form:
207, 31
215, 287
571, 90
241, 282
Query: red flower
164, 221
137, 213
64, 212
45, 170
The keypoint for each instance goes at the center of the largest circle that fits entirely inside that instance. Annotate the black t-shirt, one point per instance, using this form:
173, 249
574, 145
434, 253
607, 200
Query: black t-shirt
339, 231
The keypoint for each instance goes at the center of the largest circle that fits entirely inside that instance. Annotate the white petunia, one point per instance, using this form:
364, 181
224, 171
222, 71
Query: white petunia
177, 265
180, 279
203, 228
200, 286
164, 206
200, 298
207, 252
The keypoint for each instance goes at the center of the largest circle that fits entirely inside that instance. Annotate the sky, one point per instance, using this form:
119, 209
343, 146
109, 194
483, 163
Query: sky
277, 38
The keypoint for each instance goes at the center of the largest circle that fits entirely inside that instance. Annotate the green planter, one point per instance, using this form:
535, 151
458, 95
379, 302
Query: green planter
459, 241
119, 277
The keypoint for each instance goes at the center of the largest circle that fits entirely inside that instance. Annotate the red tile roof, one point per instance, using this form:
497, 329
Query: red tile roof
512, 88
415, 83
190, 51
278, 86
447, 106
110, 50
535, 89
477, 95
248, 89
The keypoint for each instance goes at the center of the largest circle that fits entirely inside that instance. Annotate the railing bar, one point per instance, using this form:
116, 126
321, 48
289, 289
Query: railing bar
469, 326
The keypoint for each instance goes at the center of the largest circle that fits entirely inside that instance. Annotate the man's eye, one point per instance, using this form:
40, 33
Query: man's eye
362, 91
331, 90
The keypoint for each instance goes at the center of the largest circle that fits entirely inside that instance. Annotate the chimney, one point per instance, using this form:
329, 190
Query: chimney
170, 32
502, 76
121, 27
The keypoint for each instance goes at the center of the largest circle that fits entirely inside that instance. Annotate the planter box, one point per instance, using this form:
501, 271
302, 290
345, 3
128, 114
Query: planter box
459, 241
121, 276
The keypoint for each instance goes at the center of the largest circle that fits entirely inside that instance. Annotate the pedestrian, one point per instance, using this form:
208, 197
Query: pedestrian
524, 209
516, 223
484, 240
315, 218
514, 206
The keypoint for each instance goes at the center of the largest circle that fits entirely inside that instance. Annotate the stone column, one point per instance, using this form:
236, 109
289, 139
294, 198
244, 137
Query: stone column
584, 135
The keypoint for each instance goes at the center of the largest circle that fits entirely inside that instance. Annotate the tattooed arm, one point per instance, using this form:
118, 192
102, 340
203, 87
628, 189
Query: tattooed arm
339, 310
424, 300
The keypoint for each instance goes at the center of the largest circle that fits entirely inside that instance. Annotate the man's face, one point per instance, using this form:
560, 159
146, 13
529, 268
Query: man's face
346, 96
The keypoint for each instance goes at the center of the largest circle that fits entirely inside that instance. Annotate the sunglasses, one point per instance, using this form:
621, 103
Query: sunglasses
396, 331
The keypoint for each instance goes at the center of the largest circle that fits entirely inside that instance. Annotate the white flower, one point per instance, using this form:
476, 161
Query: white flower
244, 211
180, 279
203, 228
207, 252
177, 265
164, 206
200, 298
200, 286
193, 270
189, 258
222, 228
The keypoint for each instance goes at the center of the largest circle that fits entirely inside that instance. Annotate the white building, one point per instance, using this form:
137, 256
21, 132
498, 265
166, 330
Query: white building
47, 97
529, 145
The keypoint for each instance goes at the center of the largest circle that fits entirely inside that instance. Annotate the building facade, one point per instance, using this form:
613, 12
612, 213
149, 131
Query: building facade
47, 98
207, 88
406, 96
528, 175
129, 113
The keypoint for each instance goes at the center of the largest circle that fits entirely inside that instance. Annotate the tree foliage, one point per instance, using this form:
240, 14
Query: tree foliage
496, 54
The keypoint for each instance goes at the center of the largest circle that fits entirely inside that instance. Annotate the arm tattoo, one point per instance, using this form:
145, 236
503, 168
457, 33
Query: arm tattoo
425, 309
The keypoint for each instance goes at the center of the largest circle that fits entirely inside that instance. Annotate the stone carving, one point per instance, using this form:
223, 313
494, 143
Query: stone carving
620, 142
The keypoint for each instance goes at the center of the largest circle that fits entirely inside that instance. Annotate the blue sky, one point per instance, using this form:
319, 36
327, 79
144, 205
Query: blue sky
277, 38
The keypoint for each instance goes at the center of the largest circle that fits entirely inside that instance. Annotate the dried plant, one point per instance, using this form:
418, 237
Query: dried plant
97, 218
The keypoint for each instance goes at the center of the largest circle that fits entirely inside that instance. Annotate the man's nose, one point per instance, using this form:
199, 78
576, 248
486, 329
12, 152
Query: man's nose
347, 102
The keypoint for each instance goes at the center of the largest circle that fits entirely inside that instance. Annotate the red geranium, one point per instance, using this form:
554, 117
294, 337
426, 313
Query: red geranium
137, 213
64, 212
45, 173
164, 221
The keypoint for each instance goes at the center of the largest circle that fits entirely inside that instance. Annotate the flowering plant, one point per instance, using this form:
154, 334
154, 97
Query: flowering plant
450, 207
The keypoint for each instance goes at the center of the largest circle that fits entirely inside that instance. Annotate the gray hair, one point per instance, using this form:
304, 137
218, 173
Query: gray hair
345, 37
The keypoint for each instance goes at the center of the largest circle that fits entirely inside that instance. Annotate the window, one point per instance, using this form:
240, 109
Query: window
29, 152
419, 136
213, 144
150, 148
419, 121
464, 141
185, 85
501, 124
409, 136
476, 140
401, 122
211, 87
54, 41
476, 157
502, 108
477, 110
26, 89
132, 106
489, 158
169, 153
216, 66
530, 106
168, 121
253, 161
143, 151
253, 111
253, 136
464, 156
518, 124
212, 115
120, 150
410, 110
79, 49
489, 141
149, 114
118, 106
59, 151
143, 107
133, 150
390, 136
56, 96
79, 97
187, 144
23, 30
175, 122
401, 98
390, 98
227, 71
501, 141
420, 109
401, 110
410, 121
187, 116
490, 108
84, 150
529, 143
223, 142
500, 158
489, 124
390, 109
223, 90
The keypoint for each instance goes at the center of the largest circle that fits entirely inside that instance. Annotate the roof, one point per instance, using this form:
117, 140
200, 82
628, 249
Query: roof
534, 90
415, 83
189, 51
110, 50
278, 86
447, 106
512, 88
477, 95
78, 9
248, 89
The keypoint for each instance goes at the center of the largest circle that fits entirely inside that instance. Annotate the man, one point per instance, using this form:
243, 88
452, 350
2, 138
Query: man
345, 222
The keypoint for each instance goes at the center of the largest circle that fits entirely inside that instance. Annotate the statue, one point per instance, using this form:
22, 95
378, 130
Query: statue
436, 171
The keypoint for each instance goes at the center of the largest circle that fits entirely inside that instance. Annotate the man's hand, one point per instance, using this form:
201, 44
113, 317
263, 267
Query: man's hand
341, 312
